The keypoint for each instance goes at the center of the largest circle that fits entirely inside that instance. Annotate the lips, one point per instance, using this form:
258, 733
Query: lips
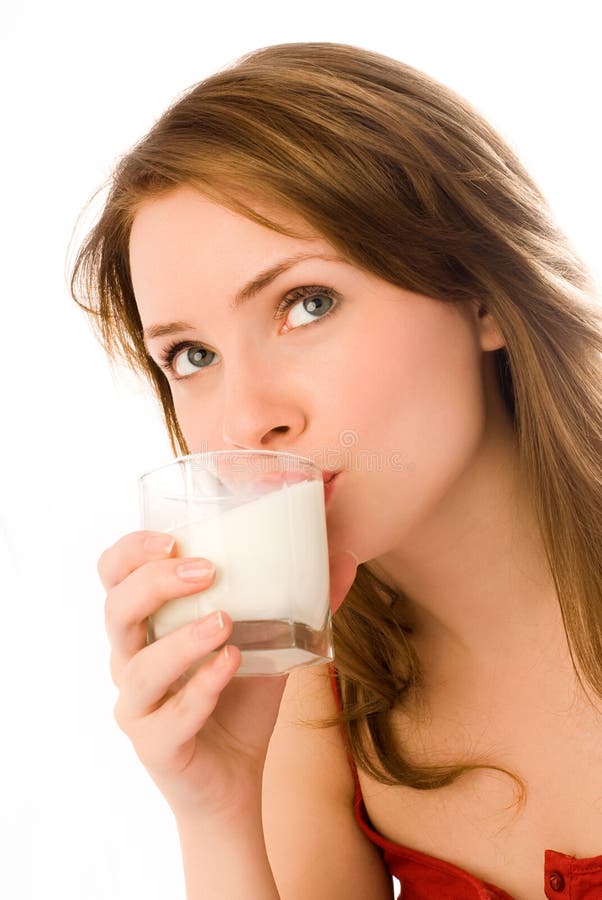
278, 478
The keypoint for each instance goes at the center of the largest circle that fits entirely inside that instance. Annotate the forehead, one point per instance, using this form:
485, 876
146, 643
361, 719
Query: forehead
184, 245
186, 214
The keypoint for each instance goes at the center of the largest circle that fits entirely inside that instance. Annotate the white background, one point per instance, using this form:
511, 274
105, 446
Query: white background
80, 83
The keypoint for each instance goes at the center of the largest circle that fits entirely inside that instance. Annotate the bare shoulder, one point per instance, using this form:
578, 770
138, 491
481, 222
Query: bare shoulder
315, 847
308, 698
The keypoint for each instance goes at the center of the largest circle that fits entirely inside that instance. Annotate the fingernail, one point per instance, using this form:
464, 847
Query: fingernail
211, 624
222, 659
195, 571
159, 544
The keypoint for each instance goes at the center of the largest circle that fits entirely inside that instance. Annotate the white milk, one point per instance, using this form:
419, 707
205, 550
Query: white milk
271, 561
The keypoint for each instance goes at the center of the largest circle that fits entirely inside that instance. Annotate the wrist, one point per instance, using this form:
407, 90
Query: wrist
226, 856
240, 814
234, 820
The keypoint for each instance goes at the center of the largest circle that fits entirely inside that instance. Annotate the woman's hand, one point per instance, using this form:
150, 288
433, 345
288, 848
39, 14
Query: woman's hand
202, 739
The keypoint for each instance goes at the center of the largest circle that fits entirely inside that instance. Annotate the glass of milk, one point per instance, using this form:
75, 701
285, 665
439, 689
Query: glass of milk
259, 517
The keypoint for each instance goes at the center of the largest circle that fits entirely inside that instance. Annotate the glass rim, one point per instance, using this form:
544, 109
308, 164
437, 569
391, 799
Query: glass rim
201, 453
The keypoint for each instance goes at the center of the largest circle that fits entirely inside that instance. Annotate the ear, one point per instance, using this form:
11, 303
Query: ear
490, 336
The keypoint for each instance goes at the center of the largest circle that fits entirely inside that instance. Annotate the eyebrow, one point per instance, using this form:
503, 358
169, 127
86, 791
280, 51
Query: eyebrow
246, 293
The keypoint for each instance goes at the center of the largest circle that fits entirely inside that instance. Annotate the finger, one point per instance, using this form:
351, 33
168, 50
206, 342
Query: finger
141, 594
185, 713
153, 672
130, 552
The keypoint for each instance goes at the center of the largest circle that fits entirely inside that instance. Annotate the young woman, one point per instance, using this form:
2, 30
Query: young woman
321, 249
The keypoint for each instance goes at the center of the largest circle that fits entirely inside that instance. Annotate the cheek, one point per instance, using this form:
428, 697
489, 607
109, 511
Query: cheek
418, 406
198, 418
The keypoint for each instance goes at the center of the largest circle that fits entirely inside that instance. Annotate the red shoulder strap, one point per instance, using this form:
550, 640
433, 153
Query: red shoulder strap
359, 807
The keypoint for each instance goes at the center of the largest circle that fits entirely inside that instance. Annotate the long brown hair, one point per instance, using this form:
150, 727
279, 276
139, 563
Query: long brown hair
409, 182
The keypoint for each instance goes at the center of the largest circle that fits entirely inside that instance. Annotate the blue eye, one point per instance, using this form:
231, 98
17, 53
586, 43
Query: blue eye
195, 354
310, 304
312, 298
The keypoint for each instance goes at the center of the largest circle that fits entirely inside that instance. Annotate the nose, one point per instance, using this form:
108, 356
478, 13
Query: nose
261, 409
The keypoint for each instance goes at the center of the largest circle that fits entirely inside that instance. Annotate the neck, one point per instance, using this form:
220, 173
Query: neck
475, 574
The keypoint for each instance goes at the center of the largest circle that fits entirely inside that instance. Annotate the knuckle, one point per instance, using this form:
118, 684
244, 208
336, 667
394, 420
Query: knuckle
109, 625
115, 670
113, 614
101, 565
108, 609
118, 714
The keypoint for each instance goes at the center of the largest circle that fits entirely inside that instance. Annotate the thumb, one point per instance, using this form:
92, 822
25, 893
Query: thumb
343, 566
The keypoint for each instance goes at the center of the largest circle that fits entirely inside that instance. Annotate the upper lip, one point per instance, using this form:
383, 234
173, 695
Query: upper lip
327, 475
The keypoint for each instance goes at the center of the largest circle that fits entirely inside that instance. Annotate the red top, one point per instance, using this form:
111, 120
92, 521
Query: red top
425, 877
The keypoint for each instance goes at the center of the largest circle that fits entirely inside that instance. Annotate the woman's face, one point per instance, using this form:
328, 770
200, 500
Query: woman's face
391, 387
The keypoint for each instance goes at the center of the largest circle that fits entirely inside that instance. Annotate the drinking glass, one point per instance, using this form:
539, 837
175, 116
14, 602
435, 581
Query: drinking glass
259, 517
